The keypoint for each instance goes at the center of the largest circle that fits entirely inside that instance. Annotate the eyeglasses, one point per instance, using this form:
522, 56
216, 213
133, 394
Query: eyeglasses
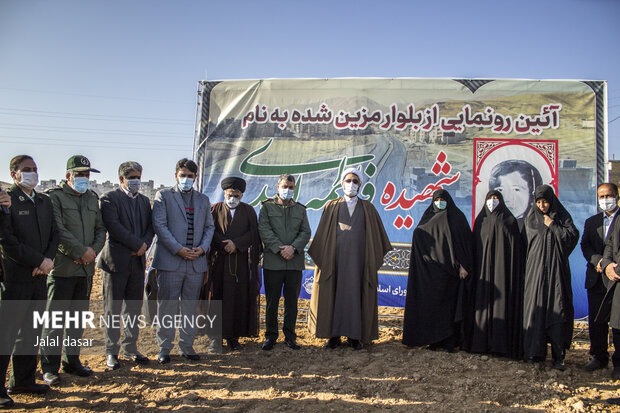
355, 181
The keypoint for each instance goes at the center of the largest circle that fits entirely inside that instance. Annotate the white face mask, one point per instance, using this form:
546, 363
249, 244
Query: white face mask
285, 193
492, 204
29, 180
186, 184
350, 189
232, 202
441, 204
608, 204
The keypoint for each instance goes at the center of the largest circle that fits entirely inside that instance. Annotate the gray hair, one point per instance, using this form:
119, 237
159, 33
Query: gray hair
127, 167
286, 178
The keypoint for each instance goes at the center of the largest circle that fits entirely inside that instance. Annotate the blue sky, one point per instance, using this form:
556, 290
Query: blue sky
116, 80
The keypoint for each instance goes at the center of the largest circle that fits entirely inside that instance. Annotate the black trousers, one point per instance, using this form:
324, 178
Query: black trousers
122, 296
615, 358
598, 331
18, 302
64, 294
288, 284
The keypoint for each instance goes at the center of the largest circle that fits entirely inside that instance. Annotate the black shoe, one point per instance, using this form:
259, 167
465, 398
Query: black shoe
615, 373
332, 343
5, 400
191, 357
52, 379
138, 358
79, 370
292, 343
354, 344
595, 364
33, 388
163, 358
112, 362
268, 344
558, 364
233, 344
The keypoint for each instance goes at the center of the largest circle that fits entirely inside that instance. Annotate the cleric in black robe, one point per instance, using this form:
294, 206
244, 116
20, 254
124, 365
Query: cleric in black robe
548, 298
441, 257
497, 283
233, 264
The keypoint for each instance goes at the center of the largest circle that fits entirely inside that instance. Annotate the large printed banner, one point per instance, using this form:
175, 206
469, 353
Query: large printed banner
409, 137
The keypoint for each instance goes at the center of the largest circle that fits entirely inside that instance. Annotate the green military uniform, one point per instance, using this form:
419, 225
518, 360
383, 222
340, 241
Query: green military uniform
281, 224
68, 286
28, 235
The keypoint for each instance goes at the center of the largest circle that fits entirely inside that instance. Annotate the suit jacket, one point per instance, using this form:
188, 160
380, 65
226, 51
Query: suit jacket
611, 254
170, 225
118, 219
30, 235
592, 246
4, 223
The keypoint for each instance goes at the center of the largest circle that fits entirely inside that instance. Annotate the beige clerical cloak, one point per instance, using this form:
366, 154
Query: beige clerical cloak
323, 253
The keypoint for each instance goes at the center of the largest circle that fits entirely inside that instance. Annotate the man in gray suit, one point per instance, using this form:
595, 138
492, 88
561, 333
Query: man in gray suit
184, 226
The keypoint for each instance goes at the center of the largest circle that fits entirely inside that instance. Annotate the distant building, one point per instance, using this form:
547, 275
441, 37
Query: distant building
47, 184
147, 189
614, 171
101, 189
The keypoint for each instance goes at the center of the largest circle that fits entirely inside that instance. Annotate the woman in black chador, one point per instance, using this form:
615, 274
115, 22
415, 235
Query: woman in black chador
548, 299
495, 316
441, 257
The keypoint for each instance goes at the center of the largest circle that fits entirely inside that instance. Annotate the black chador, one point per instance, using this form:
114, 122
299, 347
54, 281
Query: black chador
441, 244
548, 299
497, 282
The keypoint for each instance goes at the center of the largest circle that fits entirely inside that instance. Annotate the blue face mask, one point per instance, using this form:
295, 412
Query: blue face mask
185, 184
285, 193
80, 184
441, 204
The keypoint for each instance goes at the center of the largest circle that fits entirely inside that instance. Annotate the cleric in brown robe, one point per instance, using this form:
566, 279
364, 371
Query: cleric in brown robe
348, 250
233, 264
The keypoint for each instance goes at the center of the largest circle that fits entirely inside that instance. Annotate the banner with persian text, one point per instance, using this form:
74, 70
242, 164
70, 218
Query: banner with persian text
409, 137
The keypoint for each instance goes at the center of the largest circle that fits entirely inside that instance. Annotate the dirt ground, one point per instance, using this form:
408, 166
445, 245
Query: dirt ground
386, 376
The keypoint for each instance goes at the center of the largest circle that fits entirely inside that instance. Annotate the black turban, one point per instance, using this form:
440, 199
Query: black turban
233, 183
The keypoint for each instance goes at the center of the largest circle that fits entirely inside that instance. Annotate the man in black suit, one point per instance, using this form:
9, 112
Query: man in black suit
595, 232
127, 216
609, 266
29, 240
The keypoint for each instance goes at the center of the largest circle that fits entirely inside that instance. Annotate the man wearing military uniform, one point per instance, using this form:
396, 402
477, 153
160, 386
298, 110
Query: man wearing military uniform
284, 230
81, 237
29, 240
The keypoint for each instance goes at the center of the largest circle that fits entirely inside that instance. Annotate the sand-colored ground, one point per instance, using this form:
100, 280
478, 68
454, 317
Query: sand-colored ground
386, 376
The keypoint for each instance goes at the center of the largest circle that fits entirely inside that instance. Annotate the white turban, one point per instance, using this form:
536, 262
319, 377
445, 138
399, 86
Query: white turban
352, 170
